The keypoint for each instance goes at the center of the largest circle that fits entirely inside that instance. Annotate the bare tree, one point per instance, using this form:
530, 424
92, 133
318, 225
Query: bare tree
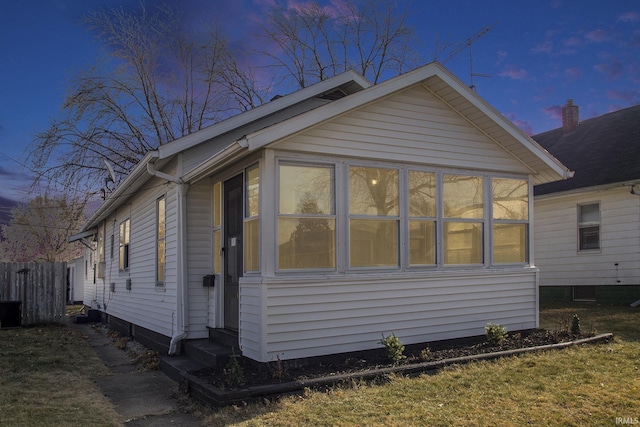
159, 82
39, 229
314, 42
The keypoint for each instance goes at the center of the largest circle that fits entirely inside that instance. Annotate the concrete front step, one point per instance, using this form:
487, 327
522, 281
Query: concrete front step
197, 354
178, 367
206, 352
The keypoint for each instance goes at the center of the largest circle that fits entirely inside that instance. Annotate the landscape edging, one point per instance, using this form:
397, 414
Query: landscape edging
210, 394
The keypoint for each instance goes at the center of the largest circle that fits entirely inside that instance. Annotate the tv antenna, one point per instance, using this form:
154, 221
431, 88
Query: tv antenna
111, 178
467, 44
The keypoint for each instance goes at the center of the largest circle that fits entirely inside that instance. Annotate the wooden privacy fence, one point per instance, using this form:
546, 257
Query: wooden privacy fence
39, 287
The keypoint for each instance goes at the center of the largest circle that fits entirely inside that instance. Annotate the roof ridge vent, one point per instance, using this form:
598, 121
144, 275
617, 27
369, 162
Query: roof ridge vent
333, 95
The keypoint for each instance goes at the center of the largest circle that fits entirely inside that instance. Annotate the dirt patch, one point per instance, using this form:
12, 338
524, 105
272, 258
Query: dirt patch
145, 359
254, 374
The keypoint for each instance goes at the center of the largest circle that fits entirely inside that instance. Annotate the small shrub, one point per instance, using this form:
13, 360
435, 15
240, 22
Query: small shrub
496, 334
575, 325
278, 369
425, 354
394, 347
233, 372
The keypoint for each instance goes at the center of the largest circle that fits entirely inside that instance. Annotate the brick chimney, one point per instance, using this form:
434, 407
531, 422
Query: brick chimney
570, 116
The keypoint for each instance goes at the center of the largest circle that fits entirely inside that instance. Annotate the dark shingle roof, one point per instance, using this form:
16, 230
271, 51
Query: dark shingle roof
601, 150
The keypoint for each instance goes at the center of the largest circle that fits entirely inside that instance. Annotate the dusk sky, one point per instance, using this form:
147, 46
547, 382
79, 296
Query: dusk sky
539, 54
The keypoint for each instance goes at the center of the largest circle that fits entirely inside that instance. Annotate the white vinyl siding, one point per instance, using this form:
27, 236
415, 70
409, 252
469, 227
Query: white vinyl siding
410, 126
145, 304
199, 257
308, 317
555, 231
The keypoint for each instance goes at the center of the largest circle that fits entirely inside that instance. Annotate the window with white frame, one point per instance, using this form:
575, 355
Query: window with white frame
252, 219
374, 217
463, 219
422, 218
510, 220
125, 235
306, 217
397, 217
217, 227
160, 240
589, 226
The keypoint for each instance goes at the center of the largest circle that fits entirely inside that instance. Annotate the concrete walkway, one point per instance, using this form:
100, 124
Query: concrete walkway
142, 398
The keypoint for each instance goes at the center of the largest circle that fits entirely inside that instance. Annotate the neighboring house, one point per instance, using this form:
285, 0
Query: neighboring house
315, 223
587, 233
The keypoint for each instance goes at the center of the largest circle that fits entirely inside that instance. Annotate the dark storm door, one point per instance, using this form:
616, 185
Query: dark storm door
233, 262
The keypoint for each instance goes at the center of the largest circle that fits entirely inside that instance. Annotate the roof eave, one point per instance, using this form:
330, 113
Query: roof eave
260, 112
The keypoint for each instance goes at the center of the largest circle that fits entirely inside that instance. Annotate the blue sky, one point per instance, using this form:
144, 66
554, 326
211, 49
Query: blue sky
539, 54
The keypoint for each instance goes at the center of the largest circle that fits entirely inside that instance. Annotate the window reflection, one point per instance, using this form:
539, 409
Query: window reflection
463, 196
373, 201
373, 191
509, 243
422, 194
374, 243
306, 222
462, 243
510, 199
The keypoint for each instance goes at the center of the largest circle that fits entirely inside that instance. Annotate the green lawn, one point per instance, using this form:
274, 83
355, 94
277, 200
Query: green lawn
587, 385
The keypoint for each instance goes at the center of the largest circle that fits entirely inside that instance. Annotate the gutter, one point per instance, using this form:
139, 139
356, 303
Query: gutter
182, 291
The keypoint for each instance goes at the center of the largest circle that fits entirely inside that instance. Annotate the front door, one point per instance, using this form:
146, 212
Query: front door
233, 262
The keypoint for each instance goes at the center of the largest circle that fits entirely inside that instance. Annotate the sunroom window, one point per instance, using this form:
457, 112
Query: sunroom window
510, 220
306, 217
422, 218
373, 217
463, 219
217, 227
252, 219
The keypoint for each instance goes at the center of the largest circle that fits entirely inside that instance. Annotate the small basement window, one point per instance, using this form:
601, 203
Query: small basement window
584, 293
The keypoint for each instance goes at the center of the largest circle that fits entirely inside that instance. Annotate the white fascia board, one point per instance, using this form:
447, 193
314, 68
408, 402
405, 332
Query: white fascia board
299, 123
257, 113
205, 167
139, 175
507, 125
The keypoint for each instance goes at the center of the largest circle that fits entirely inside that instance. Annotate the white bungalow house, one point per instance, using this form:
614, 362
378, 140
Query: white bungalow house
587, 234
315, 223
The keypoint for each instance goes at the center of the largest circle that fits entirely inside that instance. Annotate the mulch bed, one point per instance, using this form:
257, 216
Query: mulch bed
256, 374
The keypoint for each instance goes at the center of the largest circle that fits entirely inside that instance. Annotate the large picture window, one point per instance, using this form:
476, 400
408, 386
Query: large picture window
373, 217
125, 234
306, 217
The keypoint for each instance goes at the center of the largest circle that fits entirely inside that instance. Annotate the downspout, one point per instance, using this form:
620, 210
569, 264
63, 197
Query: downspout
182, 291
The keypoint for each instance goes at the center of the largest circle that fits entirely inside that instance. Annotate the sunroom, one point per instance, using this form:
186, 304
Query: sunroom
403, 208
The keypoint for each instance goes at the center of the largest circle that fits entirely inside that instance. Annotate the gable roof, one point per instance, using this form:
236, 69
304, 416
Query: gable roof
447, 88
603, 150
345, 84
359, 92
